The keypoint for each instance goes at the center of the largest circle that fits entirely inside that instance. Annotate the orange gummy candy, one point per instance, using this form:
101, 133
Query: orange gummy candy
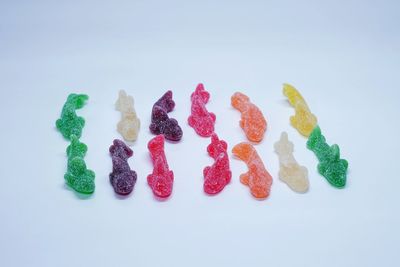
252, 122
257, 178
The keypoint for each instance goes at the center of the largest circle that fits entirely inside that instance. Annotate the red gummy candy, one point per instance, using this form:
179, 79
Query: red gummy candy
162, 179
201, 120
217, 176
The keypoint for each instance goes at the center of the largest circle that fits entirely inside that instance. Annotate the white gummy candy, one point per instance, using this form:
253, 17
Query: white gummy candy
129, 124
294, 175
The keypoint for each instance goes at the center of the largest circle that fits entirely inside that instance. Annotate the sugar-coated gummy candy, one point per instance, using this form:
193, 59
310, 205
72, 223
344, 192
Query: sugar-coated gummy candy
257, 178
78, 176
294, 175
161, 123
122, 178
218, 175
162, 179
303, 120
129, 124
200, 119
331, 166
252, 120
69, 123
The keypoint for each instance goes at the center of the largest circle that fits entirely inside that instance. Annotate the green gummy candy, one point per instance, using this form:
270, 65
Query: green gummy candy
331, 166
69, 123
78, 176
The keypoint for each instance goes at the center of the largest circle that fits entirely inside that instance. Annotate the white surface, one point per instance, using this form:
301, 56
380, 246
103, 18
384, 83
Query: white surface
344, 57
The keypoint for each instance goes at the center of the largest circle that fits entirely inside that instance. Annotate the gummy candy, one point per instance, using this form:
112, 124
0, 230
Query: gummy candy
331, 166
252, 122
122, 178
78, 176
201, 120
161, 123
129, 124
257, 178
217, 176
294, 175
69, 123
304, 121
162, 179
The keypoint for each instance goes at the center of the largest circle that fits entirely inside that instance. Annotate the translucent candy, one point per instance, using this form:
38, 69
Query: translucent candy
129, 124
161, 123
294, 175
201, 120
122, 178
78, 176
217, 176
304, 121
331, 166
162, 179
69, 123
252, 122
257, 178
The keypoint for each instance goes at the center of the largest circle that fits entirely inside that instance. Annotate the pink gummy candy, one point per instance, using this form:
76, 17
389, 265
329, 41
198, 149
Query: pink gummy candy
162, 179
217, 176
201, 120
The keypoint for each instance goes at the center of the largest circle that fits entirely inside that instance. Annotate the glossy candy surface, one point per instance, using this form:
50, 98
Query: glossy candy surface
257, 178
218, 175
200, 119
122, 178
252, 121
331, 166
294, 175
161, 123
162, 179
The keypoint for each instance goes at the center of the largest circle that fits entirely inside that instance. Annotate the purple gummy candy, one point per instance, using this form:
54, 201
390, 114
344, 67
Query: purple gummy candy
161, 123
122, 178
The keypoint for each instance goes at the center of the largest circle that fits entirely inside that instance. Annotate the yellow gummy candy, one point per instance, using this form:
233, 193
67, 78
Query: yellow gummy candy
304, 121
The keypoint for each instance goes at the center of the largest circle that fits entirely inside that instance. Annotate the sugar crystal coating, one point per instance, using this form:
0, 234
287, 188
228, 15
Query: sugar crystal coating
69, 123
331, 166
122, 178
217, 176
252, 122
78, 176
294, 175
162, 179
304, 121
161, 123
200, 119
129, 124
257, 178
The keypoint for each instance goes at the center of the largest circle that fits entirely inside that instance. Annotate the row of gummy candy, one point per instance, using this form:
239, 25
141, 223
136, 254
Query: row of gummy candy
216, 176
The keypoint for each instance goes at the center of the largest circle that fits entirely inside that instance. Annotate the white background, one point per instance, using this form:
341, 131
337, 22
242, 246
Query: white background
344, 56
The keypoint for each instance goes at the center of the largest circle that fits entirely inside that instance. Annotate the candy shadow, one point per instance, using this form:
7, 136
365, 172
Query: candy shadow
285, 102
122, 197
77, 194
162, 199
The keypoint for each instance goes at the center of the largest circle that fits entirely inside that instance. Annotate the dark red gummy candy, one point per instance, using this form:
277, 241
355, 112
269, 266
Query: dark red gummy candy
162, 179
217, 176
161, 123
201, 120
122, 178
